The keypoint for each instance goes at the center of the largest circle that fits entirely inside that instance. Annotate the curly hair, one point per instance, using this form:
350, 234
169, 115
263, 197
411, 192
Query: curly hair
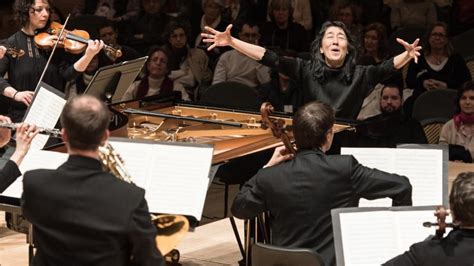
318, 59
461, 199
21, 9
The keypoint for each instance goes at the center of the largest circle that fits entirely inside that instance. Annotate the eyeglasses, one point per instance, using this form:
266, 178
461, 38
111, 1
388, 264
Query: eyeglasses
40, 9
438, 34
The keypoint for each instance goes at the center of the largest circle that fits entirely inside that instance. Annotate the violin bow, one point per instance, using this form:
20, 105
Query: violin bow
52, 52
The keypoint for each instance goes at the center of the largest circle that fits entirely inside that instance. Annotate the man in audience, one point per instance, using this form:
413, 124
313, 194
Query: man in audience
390, 127
457, 248
234, 66
109, 34
311, 183
80, 214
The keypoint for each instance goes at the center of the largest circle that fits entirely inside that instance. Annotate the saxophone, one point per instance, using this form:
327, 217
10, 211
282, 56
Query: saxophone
113, 163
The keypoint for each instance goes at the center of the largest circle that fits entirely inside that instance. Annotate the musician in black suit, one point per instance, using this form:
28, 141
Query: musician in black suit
24, 135
457, 248
300, 193
80, 214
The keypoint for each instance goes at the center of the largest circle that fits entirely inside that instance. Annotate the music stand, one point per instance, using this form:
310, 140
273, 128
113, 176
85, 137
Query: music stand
110, 82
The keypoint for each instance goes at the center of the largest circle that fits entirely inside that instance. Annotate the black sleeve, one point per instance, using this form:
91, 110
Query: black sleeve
461, 73
371, 184
249, 202
409, 258
378, 73
8, 175
142, 235
292, 67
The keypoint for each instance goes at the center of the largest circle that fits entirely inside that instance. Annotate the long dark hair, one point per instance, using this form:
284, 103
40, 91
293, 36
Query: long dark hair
319, 63
21, 9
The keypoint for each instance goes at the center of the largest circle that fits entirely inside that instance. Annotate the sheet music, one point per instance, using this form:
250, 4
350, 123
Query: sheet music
374, 237
44, 112
423, 167
35, 159
175, 177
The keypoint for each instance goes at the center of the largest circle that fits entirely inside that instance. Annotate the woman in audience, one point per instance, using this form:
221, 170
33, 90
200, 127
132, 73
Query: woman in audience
374, 50
331, 75
188, 66
349, 14
439, 66
156, 80
413, 13
460, 129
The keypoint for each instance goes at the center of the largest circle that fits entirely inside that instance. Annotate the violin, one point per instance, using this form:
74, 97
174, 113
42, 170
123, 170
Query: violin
279, 130
14, 52
74, 41
441, 213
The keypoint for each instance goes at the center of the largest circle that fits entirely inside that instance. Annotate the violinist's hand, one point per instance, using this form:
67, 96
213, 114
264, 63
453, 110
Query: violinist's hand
5, 133
94, 47
280, 154
24, 97
25, 133
217, 38
3, 50
413, 50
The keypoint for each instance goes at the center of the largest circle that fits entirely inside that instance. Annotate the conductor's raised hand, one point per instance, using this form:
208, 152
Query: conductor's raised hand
217, 38
413, 50
280, 155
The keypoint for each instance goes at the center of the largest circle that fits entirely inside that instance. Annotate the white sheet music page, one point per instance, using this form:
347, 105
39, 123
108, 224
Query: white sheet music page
175, 177
374, 237
44, 112
423, 167
35, 159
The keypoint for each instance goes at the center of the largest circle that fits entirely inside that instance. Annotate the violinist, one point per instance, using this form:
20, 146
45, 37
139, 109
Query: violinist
457, 248
307, 185
24, 72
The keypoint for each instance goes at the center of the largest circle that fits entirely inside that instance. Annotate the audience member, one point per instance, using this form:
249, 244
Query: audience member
82, 215
349, 14
109, 34
374, 49
144, 29
301, 13
282, 33
189, 66
212, 18
439, 66
413, 13
156, 80
459, 131
234, 66
390, 127
311, 183
457, 248
79, 84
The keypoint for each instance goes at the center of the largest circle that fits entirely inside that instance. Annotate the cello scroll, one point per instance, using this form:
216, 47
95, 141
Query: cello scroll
277, 126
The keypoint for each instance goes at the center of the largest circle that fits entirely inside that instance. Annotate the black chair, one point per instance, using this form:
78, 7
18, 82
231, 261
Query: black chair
409, 34
438, 103
267, 255
463, 44
230, 94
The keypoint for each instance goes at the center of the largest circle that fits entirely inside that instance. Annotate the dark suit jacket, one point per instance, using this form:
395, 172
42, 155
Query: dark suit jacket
82, 215
457, 248
300, 193
8, 175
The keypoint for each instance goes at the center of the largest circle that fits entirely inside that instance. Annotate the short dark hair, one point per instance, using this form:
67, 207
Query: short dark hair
392, 85
311, 123
174, 25
279, 4
318, 58
21, 9
85, 120
461, 198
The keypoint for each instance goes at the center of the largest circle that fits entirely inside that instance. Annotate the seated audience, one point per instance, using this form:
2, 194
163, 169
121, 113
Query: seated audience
301, 13
413, 13
310, 183
439, 67
349, 14
459, 131
282, 33
79, 84
82, 215
390, 127
109, 34
156, 80
374, 49
457, 248
189, 66
234, 66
